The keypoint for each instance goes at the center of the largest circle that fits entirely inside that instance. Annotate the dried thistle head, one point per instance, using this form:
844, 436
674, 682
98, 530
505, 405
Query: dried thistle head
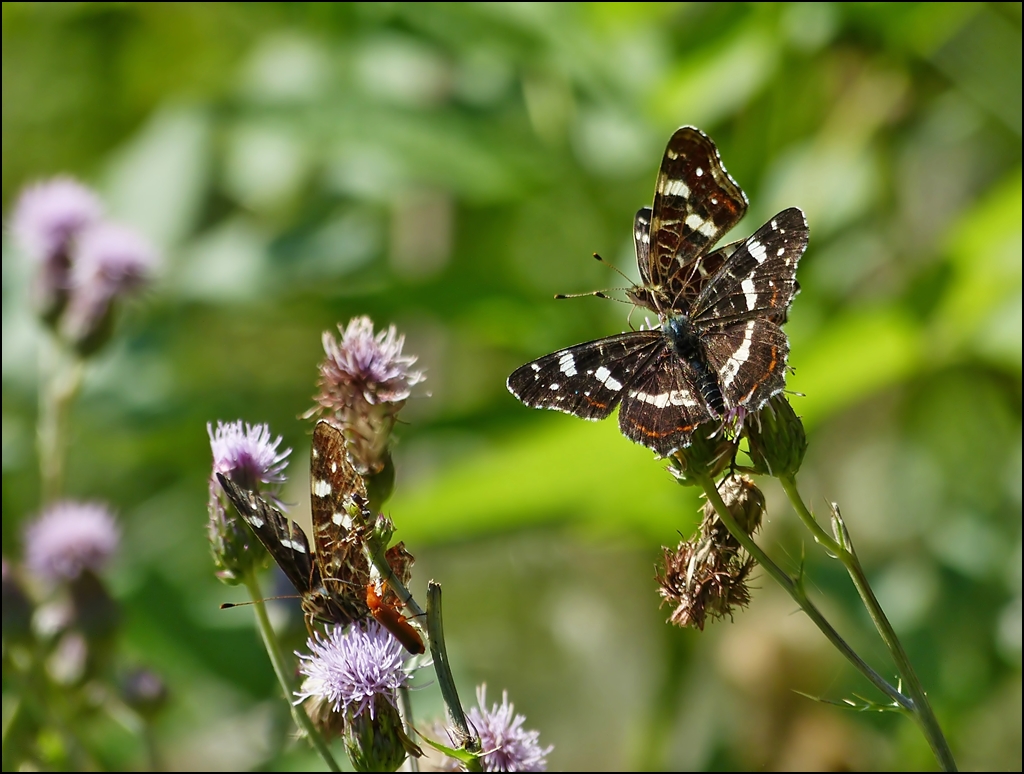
707, 576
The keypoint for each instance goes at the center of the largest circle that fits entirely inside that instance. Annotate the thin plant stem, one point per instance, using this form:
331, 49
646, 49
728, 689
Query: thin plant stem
796, 591
302, 720
60, 380
842, 549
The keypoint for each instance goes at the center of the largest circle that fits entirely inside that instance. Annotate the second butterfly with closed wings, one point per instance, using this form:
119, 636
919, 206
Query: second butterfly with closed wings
332, 580
719, 351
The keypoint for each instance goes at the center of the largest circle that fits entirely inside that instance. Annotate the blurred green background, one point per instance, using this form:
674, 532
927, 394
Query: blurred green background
449, 168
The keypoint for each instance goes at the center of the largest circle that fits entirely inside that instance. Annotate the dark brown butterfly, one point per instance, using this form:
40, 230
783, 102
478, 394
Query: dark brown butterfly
719, 350
331, 579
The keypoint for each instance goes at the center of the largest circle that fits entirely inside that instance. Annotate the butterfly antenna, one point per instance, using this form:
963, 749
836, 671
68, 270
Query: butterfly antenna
602, 293
229, 605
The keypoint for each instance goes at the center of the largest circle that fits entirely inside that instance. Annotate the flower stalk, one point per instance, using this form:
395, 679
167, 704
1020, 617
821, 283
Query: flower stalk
270, 642
919, 706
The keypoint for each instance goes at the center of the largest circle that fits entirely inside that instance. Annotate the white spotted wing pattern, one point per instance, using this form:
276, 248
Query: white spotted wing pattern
719, 350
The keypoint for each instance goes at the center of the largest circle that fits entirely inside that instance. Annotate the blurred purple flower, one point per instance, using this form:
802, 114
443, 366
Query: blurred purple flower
351, 668
506, 745
113, 257
48, 218
50, 214
247, 456
69, 538
110, 261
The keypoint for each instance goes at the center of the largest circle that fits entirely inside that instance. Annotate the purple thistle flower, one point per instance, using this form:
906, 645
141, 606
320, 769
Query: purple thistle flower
47, 219
69, 538
247, 456
370, 365
350, 669
364, 382
50, 214
110, 261
506, 745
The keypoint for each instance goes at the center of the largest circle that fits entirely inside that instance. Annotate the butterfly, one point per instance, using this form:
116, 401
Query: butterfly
331, 580
719, 351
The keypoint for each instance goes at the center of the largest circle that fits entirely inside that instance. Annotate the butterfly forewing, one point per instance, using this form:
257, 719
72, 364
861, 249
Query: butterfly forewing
696, 202
284, 539
759, 278
588, 379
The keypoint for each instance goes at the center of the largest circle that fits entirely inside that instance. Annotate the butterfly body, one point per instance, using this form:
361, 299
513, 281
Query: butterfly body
719, 349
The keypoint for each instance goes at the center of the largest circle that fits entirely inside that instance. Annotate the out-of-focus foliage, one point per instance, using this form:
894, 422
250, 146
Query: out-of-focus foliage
449, 168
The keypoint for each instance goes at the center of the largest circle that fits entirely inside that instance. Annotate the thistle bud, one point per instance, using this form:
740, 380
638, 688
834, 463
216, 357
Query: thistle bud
235, 549
708, 454
744, 501
144, 691
364, 382
375, 740
354, 674
250, 457
776, 439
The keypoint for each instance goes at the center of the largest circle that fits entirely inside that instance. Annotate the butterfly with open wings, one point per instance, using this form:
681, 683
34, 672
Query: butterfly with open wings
719, 351
332, 580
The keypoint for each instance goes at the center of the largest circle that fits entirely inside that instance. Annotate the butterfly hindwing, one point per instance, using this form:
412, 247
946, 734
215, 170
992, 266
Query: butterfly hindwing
759, 278
337, 502
663, 405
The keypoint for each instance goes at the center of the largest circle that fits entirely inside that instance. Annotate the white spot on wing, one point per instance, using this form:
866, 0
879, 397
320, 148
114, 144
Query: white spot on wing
673, 398
294, 545
739, 357
605, 377
677, 188
757, 250
321, 487
256, 521
696, 223
567, 364
749, 293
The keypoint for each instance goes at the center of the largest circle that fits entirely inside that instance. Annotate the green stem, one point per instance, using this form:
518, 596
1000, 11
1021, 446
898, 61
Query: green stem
302, 720
60, 380
796, 591
920, 707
